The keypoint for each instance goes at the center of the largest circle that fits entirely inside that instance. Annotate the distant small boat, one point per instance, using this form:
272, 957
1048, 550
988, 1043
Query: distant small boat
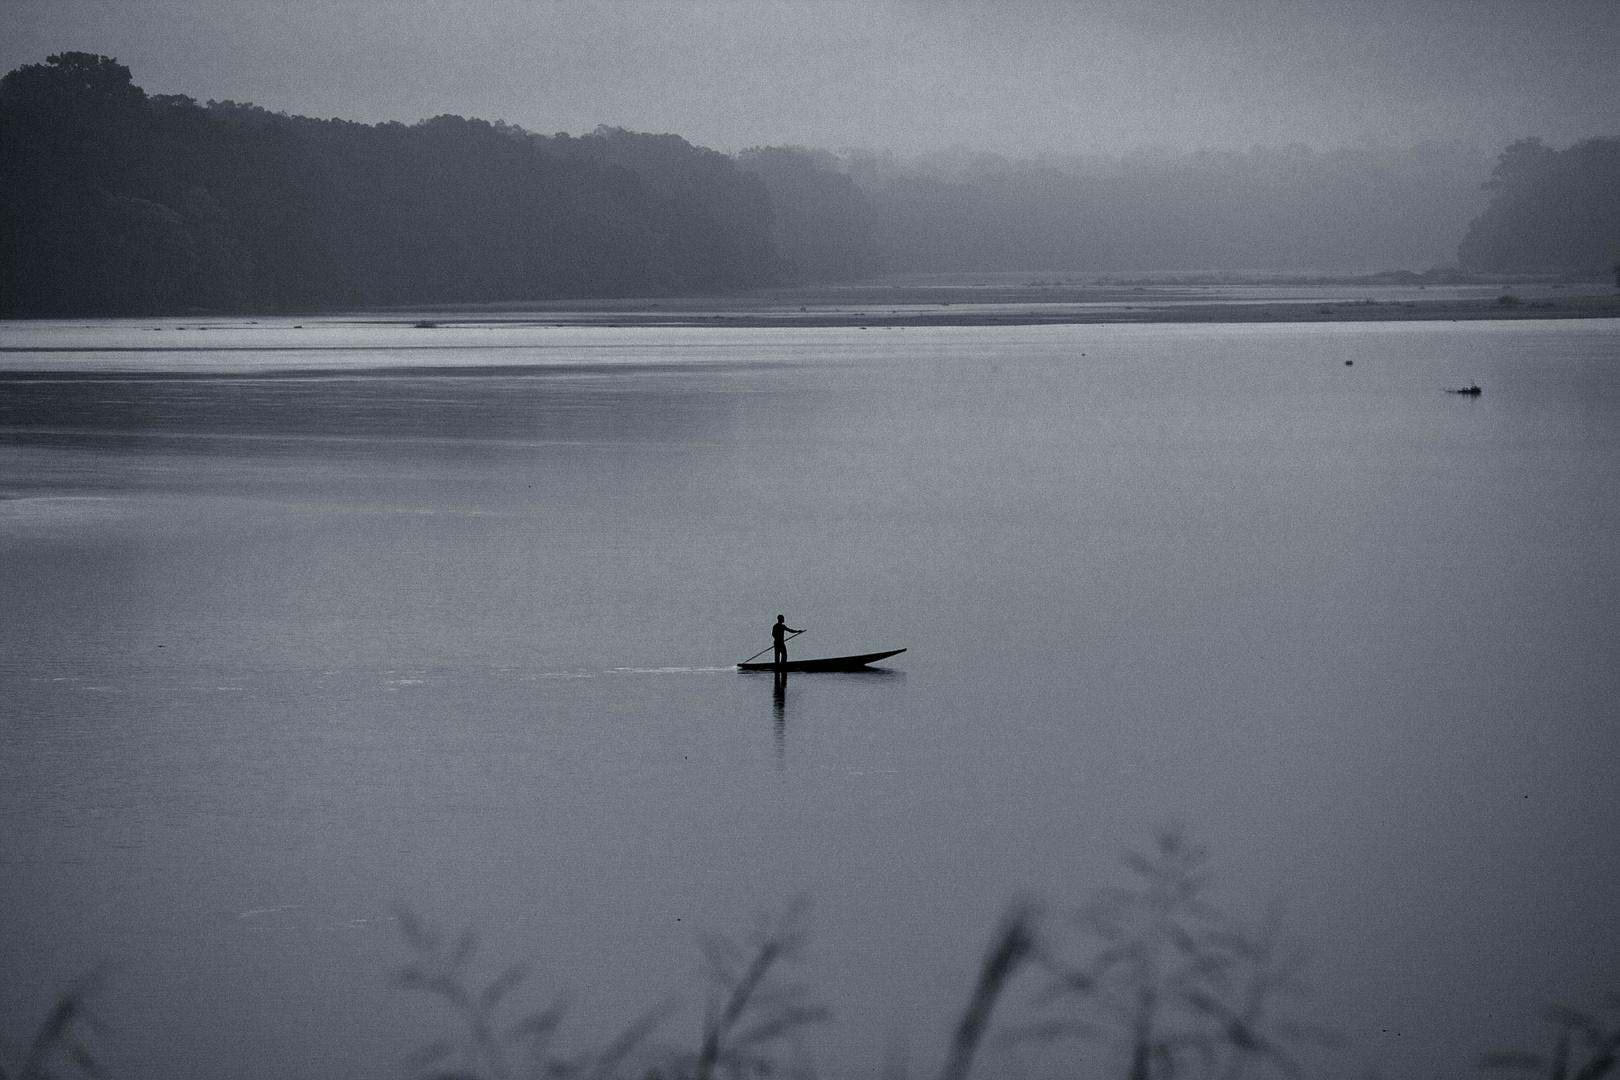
1472, 390
825, 663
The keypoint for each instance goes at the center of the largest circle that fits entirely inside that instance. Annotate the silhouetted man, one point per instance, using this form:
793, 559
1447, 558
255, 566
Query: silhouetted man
779, 634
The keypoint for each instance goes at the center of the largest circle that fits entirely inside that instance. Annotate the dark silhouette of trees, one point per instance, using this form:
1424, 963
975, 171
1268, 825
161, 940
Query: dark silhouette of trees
824, 226
116, 202
1286, 208
1552, 210
716, 218
113, 201
457, 210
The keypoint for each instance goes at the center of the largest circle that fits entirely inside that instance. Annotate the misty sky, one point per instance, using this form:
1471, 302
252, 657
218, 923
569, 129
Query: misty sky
1010, 76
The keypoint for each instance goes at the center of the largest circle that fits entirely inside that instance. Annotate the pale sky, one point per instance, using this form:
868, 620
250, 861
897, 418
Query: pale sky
914, 76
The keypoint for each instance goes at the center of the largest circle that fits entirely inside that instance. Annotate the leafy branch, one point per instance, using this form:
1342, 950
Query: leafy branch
750, 1015
59, 1042
1585, 1048
1178, 985
489, 1047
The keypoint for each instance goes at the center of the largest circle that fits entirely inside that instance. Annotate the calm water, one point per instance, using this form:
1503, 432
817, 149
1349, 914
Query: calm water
300, 625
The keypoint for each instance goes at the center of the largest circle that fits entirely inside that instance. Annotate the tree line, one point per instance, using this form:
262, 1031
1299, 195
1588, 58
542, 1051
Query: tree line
1550, 210
1290, 209
1276, 209
113, 201
119, 202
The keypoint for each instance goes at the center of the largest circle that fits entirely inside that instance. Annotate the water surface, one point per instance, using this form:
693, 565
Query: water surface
303, 624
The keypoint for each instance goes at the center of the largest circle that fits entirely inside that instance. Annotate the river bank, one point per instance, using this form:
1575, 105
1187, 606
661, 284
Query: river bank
991, 300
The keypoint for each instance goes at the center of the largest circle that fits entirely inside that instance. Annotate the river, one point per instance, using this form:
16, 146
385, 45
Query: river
306, 624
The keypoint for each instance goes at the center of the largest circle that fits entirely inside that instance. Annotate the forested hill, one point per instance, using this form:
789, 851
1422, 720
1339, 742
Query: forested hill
115, 201
1285, 208
1552, 210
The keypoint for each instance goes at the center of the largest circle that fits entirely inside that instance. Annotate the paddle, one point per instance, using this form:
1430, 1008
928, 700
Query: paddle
772, 645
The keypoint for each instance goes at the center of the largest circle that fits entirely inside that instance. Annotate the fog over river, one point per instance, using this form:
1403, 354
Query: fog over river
303, 625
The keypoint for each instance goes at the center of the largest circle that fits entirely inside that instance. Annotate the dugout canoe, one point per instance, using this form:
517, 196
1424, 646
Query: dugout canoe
825, 663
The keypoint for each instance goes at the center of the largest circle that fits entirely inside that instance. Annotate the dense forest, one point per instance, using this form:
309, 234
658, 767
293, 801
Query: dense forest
1552, 210
1287, 208
116, 201
113, 201
823, 223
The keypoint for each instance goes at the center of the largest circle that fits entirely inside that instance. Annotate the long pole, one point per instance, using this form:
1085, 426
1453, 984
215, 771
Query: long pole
772, 645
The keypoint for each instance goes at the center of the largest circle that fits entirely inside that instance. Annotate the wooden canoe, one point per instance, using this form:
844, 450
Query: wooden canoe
825, 663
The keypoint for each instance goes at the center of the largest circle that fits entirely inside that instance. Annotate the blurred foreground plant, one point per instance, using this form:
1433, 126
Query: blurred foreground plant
57, 1048
753, 1022
1012, 945
1586, 1047
751, 1027
1177, 985
489, 1046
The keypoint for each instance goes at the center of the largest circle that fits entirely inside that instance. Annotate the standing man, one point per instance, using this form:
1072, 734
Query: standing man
779, 639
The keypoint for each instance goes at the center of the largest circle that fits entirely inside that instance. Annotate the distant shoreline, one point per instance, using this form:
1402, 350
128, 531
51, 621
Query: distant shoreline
984, 301
885, 305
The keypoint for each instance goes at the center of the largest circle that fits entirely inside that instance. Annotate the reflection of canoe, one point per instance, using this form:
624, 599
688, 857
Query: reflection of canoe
825, 663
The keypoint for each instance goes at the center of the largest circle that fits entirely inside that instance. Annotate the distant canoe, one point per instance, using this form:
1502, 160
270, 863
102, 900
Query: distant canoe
825, 663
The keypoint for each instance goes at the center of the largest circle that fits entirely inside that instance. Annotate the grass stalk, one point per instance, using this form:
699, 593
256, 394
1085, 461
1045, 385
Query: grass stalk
1012, 945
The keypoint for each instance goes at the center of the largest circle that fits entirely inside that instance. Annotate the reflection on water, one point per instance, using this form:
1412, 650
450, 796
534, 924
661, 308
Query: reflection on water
779, 698
779, 707
311, 647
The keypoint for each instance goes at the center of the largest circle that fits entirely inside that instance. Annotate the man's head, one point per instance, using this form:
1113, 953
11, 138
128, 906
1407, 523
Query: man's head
781, 618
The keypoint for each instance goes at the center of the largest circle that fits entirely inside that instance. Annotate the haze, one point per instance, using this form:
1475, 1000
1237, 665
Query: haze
1021, 77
